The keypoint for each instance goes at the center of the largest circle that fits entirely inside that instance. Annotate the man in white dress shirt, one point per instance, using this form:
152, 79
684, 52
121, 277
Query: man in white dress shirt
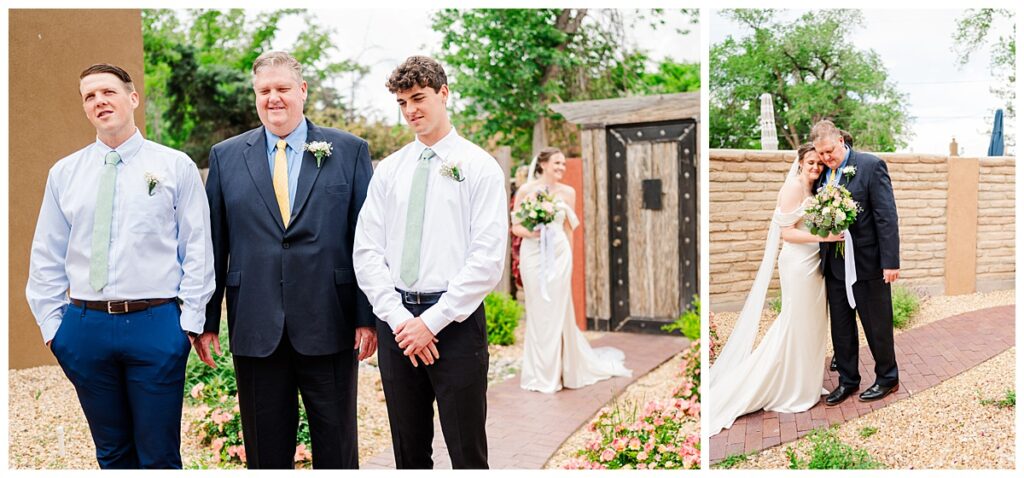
119, 276
429, 246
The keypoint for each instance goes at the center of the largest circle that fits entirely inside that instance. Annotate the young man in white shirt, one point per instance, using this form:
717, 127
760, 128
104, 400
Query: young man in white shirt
429, 246
120, 272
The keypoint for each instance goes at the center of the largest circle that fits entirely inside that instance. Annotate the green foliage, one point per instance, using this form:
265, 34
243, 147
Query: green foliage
506, 66
905, 303
732, 460
984, 27
813, 71
775, 304
868, 431
689, 323
198, 73
1009, 400
829, 453
503, 313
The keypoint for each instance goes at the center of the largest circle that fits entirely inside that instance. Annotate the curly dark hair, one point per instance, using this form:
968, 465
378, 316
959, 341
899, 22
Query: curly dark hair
419, 71
113, 70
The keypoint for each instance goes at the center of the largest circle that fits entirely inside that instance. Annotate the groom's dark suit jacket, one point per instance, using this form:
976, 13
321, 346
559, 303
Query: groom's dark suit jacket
301, 277
875, 233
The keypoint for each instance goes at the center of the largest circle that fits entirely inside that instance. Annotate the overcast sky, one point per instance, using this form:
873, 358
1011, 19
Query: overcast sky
383, 38
916, 48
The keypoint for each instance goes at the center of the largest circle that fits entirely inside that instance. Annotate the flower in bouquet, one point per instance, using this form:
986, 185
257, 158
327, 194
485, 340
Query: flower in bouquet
536, 210
831, 211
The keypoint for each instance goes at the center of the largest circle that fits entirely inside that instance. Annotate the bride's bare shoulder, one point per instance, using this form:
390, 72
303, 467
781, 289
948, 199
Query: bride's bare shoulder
791, 196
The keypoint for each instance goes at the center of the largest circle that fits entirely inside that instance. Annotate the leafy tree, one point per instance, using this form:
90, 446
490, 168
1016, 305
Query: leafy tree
198, 73
508, 65
812, 71
978, 28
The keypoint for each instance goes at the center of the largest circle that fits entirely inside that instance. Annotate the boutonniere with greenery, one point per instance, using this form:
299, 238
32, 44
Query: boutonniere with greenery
320, 150
849, 171
152, 180
452, 171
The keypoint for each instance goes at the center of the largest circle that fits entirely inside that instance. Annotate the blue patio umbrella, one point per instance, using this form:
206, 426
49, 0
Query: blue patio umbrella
995, 145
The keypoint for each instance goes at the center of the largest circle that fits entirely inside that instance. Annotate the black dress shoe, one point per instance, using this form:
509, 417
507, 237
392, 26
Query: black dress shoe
837, 396
877, 392
832, 366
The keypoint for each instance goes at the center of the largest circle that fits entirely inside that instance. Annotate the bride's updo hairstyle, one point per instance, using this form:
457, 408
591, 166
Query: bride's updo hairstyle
543, 156
801, 152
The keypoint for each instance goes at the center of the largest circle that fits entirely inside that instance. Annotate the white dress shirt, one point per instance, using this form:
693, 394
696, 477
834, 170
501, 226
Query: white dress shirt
465, 232
160, 244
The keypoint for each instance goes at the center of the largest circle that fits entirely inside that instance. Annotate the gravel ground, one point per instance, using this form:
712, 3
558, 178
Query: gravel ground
41, 399
656, 385
960, 432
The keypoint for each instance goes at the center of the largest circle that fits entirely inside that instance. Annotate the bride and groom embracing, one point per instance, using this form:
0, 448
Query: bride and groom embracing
824, 286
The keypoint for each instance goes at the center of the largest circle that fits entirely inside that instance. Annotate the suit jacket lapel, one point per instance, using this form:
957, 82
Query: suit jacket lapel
844, 180
259, 169
310, 172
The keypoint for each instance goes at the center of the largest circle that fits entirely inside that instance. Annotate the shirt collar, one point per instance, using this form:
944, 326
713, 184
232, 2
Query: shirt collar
127, 150
296, 139
442, 148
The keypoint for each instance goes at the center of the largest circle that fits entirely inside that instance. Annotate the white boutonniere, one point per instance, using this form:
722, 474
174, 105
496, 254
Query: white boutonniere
451, 170
152, 180
320, 150
849, 171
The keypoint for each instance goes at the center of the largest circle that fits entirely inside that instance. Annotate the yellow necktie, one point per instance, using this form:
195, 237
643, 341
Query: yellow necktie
832, 177
281, 181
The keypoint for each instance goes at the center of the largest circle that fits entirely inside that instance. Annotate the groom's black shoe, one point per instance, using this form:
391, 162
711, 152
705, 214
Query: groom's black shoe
878, 392
837, 396
832, 366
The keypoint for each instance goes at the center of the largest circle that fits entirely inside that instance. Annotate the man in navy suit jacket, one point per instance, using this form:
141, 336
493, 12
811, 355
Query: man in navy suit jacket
283, 219
876, 249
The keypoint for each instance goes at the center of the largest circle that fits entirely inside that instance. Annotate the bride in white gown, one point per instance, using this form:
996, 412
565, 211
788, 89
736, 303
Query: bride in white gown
555, 352
784, 373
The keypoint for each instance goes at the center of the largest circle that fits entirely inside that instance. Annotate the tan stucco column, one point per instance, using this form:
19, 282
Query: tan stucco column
961, 226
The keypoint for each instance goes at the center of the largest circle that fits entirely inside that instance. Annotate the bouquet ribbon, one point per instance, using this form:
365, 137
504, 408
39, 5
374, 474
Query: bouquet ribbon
851, 270
547, 258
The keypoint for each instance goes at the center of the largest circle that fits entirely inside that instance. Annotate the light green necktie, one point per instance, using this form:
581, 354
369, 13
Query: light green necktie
414, 220
101, 222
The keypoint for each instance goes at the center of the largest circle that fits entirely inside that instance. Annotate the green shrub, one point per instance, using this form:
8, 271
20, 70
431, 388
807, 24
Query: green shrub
775, 304
1008, 401
905, 304
689, 323
868, 431
503, 313
829, 453
731, 461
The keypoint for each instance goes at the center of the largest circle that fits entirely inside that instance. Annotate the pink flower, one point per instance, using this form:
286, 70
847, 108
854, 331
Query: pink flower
607, 454
641, 456
217, 444
301, 453
634, 444
197, 390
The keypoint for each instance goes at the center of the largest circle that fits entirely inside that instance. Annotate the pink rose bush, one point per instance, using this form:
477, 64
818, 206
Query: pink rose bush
665, 435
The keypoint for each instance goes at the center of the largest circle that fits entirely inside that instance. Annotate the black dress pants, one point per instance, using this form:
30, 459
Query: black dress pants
874, 305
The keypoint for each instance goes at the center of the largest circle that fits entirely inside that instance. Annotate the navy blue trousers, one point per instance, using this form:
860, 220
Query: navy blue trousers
129, 372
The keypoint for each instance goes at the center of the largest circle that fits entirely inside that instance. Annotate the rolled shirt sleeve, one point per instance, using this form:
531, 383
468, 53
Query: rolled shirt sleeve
47, 279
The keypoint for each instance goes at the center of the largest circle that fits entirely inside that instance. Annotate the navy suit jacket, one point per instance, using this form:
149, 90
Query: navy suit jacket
298, 279
875, 233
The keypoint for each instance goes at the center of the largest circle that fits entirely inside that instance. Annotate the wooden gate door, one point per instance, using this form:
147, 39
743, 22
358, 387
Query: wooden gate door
652, 224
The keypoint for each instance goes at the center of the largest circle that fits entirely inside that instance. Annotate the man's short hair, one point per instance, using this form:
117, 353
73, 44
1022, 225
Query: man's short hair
415, 71
113, 70
824, 129
272, 59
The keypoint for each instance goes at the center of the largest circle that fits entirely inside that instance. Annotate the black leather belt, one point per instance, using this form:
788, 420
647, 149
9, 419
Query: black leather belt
120, 306
419, 298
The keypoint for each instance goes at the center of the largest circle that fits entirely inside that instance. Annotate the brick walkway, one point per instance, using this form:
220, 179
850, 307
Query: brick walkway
525, 428
926, 356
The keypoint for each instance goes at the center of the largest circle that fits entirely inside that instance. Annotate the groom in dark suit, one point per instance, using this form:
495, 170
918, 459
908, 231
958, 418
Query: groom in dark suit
283, 213
876, 249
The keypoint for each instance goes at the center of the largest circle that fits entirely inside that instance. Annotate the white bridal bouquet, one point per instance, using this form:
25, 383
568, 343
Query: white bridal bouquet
832, 211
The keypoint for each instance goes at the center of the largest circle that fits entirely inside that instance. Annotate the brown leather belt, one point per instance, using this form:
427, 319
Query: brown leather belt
120, 306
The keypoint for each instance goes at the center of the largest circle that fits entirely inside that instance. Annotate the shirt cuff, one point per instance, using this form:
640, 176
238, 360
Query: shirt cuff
192, 320
398, 317
434, 320
50, 325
